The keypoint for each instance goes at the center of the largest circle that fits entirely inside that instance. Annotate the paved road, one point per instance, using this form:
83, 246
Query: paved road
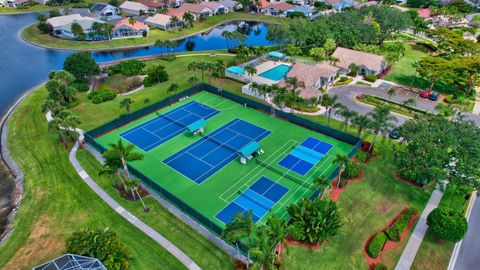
469, 254
346, 94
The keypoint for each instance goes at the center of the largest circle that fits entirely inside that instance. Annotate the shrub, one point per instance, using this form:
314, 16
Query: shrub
394, 232
80, 86
380, 266
101, 96
343, 182
101, 244
343, 81
127, 68
376, 244
447, 224
370, 77
121, 84
351, 171
45, 27
155, 75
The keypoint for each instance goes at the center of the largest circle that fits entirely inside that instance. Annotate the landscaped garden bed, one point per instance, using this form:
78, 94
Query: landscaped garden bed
396, 107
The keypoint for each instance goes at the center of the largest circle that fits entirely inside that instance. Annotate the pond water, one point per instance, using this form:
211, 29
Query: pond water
24, 66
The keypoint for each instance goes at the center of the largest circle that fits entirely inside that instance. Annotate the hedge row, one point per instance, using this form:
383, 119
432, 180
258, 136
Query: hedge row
395, 231
376, 244
375, 99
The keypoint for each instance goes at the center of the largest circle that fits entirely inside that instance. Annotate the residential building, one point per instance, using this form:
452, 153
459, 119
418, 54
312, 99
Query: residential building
366, 4
162, 21
133, 8
262, 5
197, 10
340, 4
154, 4
216, 7
125, 29
62, 26
16, 3
231, 5
424, 13
312, 78
104, 10
307, 11
367, 62
277, 9
57, 22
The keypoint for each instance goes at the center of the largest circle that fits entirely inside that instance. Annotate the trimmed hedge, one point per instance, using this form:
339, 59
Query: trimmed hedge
395, 231
100, 96
351, 171
380, 266
370, 77
376, 244
127, 68
343, 81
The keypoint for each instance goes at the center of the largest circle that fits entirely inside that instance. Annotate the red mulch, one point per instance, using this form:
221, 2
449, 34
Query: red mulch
368, 159
397, 175
128, 194
335, 192
390, 244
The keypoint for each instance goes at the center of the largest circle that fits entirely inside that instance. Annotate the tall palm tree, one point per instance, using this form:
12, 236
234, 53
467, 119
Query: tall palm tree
293, 82
133, 186
382, 121
193, 80
251, 70
277, 230
193, 67
132, 20
126, 103
322, 183
124, 154
227, 35
262, 251
174, 20
330, 103
203, 66
391, 93
187, 17
55, 124
108, 169
172, 89
52, 106
342, 161
112, 162
241, 227
361, 122
71, 122
77, 31
347, 115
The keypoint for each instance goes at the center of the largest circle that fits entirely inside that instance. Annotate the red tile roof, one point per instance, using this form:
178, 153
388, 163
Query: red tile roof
137, 25
280, 6
424, 13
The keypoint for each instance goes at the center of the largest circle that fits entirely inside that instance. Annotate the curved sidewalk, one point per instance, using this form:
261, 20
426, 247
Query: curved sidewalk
162, 241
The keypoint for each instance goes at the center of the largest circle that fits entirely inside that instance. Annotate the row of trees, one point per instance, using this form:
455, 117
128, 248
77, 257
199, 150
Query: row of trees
212, 70
368, 25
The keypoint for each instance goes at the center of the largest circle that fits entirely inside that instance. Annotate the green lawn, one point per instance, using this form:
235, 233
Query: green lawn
216, 192
34, 35
367, 206
433, 254
57, 202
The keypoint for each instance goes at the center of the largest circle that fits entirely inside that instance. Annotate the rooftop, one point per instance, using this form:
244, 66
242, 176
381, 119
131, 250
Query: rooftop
346, 57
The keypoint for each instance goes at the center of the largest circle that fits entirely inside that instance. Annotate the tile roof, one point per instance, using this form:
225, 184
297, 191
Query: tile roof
63, 20
347, 57
424, 13
212, 5
263, 4
133, 6
280, 6
159, 19
229, 3
152, 3
137, 25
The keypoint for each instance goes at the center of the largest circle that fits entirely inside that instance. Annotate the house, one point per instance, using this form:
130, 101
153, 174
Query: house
231, 5
311, 78
277, 9
62, 26
125, 29
261, 6
216, 7
162, 21
424, 13
367, 62
366, 4
340, 4
305, 10
16, 3
197, 10
133, 8
154, 4
104, 10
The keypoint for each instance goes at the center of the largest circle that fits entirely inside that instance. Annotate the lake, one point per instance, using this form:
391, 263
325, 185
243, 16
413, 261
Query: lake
24, 66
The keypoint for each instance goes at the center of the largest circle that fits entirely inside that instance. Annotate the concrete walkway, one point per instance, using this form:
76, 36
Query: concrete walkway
162, 241
410, 251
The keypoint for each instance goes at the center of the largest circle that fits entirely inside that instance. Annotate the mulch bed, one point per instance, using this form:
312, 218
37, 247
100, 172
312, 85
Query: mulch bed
128, 194
390, 245
335, 192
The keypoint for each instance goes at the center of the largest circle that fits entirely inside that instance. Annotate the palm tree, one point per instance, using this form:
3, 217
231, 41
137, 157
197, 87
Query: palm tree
391, 93
132, 20
174, 21
322, 183
329, 103
110, 171
293, 82
382, 122
241, 227
277, 230
203, 66
227, 35
133, 186
410, 102
172, 89
251, 70
347, 114
126, 103
124, 154
193, 67
71, 122
51, 106
263, 250
342, 161
55, 124
361, 122
187, 17
77, 31
113, 163
193, 80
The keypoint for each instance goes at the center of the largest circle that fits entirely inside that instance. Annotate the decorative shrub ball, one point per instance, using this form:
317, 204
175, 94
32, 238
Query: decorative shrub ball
447, 224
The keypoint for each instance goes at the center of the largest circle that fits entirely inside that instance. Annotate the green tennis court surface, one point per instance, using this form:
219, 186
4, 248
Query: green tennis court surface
280, 176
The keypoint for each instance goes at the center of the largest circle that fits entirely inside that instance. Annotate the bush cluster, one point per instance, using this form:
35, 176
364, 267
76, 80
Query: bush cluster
395, 231
351, 171
370, 77
80, 86
101, 96
380, 266
155, 75
343, 81
376, 244
127, 68
447, 224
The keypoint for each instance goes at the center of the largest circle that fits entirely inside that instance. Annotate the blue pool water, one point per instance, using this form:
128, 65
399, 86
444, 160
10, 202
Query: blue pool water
275, 74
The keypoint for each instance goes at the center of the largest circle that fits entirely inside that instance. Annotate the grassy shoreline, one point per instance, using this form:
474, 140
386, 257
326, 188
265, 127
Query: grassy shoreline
32, 35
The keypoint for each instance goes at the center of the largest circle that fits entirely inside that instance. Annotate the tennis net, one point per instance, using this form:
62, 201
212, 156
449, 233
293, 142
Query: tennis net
219, 143
250, 198
172, 120
284, 174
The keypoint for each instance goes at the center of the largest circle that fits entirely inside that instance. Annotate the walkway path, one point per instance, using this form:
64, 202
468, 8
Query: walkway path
410, 251
476, 107
175, 251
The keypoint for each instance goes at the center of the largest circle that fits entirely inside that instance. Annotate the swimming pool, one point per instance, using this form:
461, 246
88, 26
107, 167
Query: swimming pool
275, 74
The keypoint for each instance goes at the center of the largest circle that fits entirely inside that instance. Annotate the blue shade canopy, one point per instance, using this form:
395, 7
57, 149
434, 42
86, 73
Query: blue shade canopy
276, 54
196, 125
236, 70
249, 149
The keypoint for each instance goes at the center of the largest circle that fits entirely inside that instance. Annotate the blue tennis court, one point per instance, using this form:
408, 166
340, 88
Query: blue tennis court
166, 126
306, 155
258, 198
209, 154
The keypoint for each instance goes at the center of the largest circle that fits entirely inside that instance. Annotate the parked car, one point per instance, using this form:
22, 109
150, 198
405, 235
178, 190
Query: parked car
434, 96
394, 135
425, 94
